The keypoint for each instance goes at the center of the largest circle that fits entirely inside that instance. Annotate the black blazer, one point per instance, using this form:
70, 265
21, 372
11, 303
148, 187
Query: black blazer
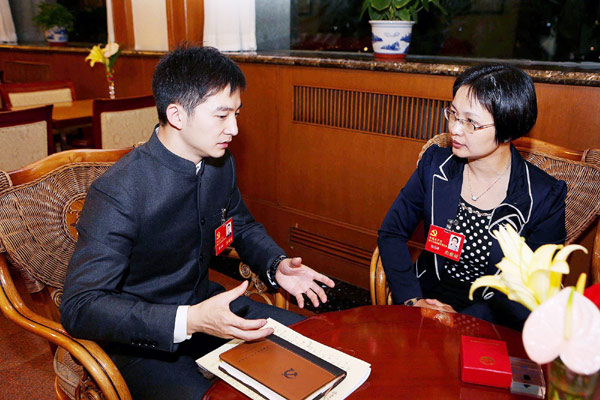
146, 237
534, 205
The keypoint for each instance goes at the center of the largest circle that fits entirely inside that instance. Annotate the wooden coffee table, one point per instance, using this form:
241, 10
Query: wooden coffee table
413, 352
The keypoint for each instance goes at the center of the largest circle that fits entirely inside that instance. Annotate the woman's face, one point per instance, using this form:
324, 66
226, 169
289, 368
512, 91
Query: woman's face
480, 143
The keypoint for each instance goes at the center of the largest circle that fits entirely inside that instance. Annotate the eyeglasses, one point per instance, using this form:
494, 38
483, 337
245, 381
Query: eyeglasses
467, 125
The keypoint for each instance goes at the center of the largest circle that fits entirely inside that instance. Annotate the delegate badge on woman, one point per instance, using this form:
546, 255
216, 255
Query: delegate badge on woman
444, 242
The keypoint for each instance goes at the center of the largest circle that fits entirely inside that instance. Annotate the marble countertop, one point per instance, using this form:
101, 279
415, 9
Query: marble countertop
568, 73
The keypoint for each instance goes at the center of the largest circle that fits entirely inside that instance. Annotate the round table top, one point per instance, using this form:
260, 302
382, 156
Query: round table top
413, 352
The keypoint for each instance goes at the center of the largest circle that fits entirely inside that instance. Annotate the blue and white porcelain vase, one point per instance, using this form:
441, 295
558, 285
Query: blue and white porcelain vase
391, 39
57, 36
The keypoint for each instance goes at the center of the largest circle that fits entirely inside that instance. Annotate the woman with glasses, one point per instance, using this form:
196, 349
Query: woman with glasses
468, 190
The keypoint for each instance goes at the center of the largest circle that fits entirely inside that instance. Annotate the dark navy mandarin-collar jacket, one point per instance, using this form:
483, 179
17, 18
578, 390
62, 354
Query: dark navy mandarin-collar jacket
146, 237
534, 206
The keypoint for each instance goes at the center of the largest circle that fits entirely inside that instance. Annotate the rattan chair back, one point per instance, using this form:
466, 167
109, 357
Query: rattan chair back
39, 207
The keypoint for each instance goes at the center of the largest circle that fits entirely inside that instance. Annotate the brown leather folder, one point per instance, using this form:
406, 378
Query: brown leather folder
284, 368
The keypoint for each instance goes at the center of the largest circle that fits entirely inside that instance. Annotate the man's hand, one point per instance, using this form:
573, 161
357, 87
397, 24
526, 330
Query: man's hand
213, 317
434, 304
298, 279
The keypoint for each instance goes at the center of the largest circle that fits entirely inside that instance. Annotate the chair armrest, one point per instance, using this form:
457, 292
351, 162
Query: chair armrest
380, 292
595, 268
257, 286
88, 353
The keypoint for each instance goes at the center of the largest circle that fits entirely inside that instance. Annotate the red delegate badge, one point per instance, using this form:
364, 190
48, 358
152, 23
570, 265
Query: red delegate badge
223, 236
444, 242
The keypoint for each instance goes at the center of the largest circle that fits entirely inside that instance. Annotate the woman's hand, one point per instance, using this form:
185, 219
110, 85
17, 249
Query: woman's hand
435, 305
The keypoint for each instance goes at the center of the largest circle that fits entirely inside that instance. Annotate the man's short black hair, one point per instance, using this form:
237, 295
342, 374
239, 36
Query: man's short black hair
507, 92
188, 75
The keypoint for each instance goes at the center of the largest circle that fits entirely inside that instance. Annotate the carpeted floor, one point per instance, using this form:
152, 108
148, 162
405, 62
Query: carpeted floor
25, 364
341, 297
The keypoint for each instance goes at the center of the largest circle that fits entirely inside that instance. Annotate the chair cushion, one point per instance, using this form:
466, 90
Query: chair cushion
39, 97
23, 144
126, 128
37, 220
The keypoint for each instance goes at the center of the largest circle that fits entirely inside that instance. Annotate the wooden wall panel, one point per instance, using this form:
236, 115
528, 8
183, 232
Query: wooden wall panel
26, 71
337, 184
133, 74
320, 189
256, 147
568, 115
123, 23
185, 21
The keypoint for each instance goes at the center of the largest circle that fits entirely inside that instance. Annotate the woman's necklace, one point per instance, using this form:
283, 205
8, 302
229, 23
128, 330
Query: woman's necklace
475, 198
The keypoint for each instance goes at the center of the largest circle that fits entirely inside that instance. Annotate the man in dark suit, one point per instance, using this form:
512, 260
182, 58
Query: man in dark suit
138, 279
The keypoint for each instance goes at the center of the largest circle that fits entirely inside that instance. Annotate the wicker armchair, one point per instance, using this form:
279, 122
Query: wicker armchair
579, 169
123, 122
39, 207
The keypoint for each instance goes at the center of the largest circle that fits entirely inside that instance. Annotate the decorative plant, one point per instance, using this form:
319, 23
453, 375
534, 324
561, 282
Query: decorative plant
527, 277
563, 323
402, 10
106, 55
50, 15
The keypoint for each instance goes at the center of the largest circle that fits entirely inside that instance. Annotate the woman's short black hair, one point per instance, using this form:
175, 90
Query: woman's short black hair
507, 93
188, 75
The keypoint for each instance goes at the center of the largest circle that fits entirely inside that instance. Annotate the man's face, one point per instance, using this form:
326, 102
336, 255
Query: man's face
208, 130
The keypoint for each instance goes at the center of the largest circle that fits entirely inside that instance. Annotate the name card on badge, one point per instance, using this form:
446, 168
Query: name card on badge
445, 242
223, 236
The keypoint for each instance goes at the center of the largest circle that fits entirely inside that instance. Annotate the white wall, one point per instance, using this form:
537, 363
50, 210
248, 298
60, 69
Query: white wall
150, 25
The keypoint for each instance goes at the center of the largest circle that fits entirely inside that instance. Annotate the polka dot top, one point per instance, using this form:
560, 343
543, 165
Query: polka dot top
473, 223
456, 277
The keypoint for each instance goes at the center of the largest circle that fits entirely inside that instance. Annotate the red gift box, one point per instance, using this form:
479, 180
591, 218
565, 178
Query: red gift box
485, 361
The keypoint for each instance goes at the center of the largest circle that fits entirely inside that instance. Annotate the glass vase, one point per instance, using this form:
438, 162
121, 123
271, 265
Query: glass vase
110, 78
564, 384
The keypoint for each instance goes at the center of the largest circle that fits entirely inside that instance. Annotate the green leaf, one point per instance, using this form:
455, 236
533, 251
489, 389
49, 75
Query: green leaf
113, 59
438, 5
380, 5
414, 13
403, 15
365, 7
400, 3
376, 15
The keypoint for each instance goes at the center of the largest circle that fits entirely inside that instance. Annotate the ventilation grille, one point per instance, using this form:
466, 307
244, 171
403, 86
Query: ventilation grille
330, 247
408, 117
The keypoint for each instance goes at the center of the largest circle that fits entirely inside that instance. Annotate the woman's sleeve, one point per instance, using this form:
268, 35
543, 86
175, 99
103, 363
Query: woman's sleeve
397, 227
